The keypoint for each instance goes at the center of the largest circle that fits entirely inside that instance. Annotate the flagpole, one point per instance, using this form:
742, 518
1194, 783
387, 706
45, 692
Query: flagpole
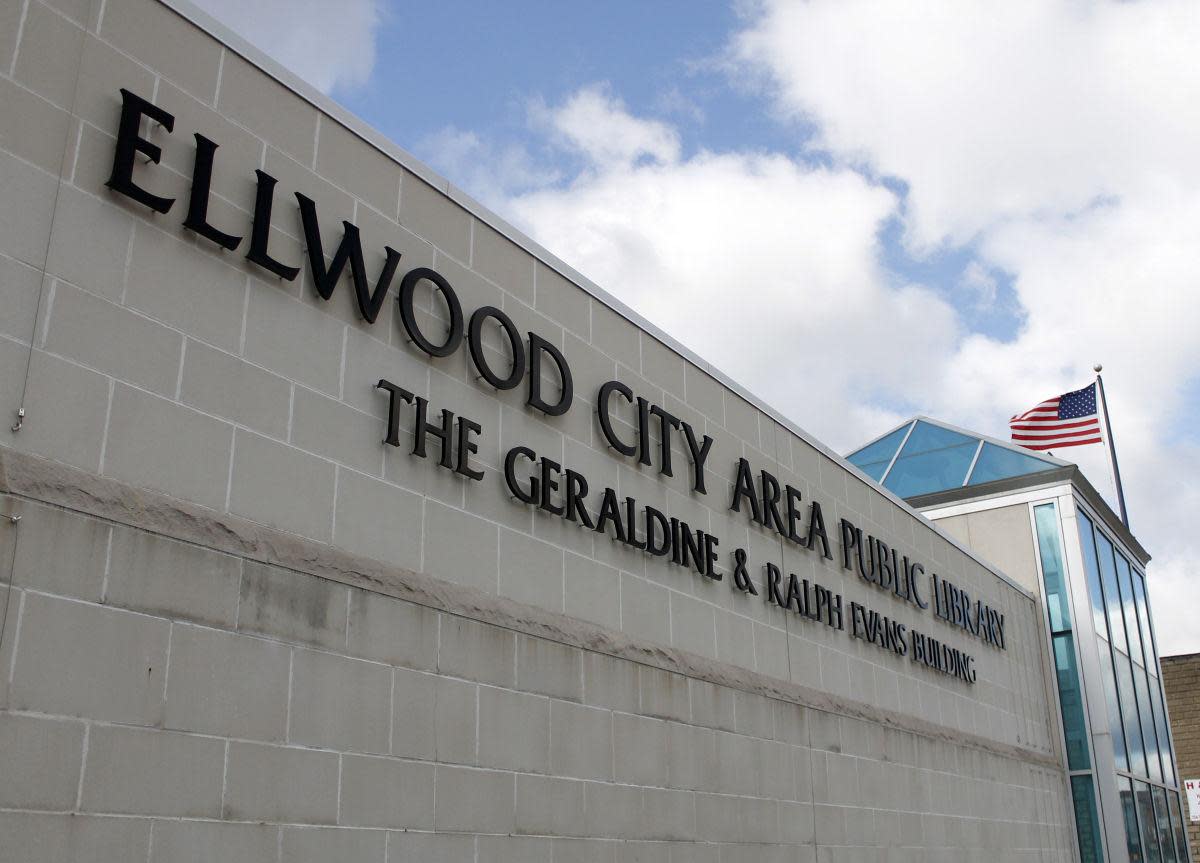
1112, 449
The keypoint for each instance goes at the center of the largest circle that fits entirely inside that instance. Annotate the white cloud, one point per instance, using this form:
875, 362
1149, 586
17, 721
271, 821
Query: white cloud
490, 173
990, 111
1056, 136
596, 124
979, 285
760, 263
328, 43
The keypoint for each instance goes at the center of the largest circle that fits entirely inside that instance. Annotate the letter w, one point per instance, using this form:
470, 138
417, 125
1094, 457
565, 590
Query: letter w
350, 250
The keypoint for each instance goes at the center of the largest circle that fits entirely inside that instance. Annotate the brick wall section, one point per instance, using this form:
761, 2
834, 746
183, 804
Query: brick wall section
199, 698
168, 345
1181, 681
215, 708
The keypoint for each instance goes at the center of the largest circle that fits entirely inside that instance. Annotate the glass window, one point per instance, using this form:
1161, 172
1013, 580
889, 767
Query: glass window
1139, 596
1115, 727
1160, 724
881, 451
1071, 699
1086, 823
1112, 597
996, 462
1145, 807
875, 470
1133, 729
1149, 735
1177, 826
1145, 695
933, 459
1058, 604
1129, 611
1157, 702
1058, 608
1087, 542
1133, 840
1165, 831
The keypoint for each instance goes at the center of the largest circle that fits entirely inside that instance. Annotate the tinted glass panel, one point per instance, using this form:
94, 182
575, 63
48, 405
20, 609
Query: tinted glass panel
999, 463
1074, 720
932, 459
880, 451
929, 438
875, 470
1133, 728
1112, 597
1058, 609
1146, 819
1177, 826
1133, 839
1129, 611
1115, 726
1160, 725
927, 472
1149, 735
1165, 831
1058, 606
1087, 543
1139, 595
1085, 819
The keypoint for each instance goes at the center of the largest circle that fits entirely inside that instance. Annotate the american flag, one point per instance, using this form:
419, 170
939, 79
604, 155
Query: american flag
1067, 420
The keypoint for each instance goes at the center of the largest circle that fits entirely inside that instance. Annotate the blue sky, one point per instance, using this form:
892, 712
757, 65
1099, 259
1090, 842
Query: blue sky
952, 209
476, 66
469, 66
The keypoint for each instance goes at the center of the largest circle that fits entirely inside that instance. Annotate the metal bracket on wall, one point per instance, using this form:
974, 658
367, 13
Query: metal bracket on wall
16, 427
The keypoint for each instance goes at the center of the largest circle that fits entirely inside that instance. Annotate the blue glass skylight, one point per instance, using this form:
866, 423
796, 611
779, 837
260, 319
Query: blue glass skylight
996, 462
933, 457
874, 458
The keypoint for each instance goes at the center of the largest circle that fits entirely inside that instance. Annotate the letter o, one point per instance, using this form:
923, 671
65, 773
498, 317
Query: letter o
475, 345
408, 315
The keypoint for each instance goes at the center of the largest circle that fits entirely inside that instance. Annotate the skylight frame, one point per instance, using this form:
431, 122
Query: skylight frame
1051, 461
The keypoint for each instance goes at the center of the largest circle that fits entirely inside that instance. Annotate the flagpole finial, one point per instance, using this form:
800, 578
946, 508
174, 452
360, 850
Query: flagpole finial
1098, 368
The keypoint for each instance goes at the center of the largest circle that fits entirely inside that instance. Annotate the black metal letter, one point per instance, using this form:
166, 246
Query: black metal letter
130, 142
260, 233
409, 316
537, 347
197, 217
666, 422
350, 250
441, 431
602, 406
479, 357
510, 475
393, 422
466, 446
699, 456
743, 487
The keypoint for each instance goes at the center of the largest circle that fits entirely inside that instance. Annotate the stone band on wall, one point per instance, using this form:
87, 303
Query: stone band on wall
24, 477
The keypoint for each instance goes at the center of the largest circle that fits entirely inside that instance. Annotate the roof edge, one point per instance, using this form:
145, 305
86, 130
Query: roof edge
1055, 476
986, 438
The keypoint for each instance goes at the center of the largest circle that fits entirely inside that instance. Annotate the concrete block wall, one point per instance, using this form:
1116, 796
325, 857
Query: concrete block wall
232, 710
1181, 685
146, 356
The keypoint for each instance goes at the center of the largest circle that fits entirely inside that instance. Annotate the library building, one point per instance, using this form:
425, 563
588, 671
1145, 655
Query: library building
341, 521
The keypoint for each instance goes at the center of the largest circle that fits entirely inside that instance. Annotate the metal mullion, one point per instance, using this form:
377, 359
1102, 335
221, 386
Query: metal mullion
899, 449
971, 467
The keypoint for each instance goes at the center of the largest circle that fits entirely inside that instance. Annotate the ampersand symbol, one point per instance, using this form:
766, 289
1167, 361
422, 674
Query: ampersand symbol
741, 577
